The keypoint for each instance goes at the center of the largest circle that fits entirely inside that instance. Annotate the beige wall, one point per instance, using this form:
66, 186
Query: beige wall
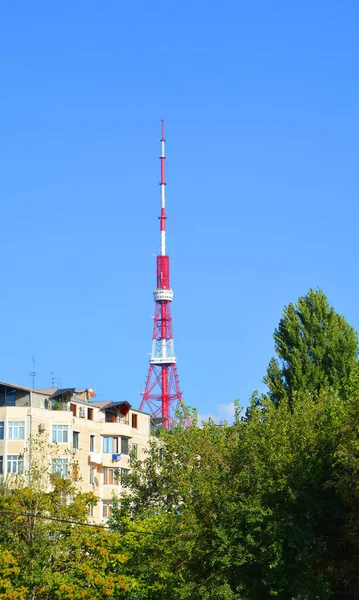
38, 419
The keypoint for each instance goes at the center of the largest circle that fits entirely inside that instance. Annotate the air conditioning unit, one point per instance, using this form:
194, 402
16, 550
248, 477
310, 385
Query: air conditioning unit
82, 412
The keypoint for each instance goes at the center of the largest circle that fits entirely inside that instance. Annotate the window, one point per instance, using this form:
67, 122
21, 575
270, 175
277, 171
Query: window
92, 443
1, 465
60, 466
124, 473
60, 434
15, 463
1, 430
7, 396
134, 450
91, 510
107, 444
134, 420
16, 430
110, 476
90, 414
75, 440
75, 472
92, 475
124, 445
106, 508
65, 498
110, 444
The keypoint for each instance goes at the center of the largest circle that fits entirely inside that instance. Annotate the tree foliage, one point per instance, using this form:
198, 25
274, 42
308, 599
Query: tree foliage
253, 510
316, 348
266, 507
46, 550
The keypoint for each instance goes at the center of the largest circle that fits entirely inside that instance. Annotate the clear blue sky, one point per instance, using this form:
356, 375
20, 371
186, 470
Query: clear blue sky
261, 104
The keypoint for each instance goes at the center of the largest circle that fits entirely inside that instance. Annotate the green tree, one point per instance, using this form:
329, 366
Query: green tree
239, 512
345, 482
168, 519
265, 507
48, 551
316, 348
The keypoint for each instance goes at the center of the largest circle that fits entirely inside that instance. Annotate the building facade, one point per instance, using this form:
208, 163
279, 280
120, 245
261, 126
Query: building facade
100, 436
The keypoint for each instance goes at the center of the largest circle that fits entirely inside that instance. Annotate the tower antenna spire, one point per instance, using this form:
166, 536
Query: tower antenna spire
162, 393
163, 193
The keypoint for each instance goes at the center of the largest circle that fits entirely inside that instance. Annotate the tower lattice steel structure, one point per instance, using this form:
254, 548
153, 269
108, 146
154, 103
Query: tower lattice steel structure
162, 393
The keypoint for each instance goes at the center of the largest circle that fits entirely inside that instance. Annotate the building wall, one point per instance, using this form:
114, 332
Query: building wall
92, 463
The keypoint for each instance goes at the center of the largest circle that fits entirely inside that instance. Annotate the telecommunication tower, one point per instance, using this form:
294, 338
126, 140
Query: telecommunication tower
162, 392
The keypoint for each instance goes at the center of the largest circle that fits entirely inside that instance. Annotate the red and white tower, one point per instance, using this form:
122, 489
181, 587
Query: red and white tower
162, 393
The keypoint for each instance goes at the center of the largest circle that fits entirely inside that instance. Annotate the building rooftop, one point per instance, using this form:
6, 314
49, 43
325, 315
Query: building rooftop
47, 391
54, 393
22, 388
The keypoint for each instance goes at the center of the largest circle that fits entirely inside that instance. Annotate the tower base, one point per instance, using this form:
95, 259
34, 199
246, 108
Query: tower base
162, 394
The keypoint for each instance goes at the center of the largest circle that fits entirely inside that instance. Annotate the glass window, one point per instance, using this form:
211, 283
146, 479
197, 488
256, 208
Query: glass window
60, 434
124, 445
60, 466
65, 498
92, 443
7, 396
10, 397
124, 473
135, 450
107, 443
91, 510
15, 463
1, 464
110, 444
106, 508
110, 476
1, 430
134, 420
16, 430
92, 475
75, 472
75, 440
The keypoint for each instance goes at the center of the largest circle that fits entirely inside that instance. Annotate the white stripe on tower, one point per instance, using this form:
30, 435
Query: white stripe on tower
163, 194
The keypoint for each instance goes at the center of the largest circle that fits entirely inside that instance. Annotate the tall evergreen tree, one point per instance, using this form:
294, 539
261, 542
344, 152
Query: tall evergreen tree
316, 348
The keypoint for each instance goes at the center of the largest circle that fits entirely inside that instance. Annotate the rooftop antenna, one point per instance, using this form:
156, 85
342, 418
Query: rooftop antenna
53, 379
33, 372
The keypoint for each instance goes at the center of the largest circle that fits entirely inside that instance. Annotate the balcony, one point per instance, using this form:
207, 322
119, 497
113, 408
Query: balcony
58, 405
116, 419
108, 461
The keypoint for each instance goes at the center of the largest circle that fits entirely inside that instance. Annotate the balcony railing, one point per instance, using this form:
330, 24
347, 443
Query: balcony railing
115, 419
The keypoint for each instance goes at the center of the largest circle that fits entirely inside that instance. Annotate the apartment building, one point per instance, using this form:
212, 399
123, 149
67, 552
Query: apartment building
100, 435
